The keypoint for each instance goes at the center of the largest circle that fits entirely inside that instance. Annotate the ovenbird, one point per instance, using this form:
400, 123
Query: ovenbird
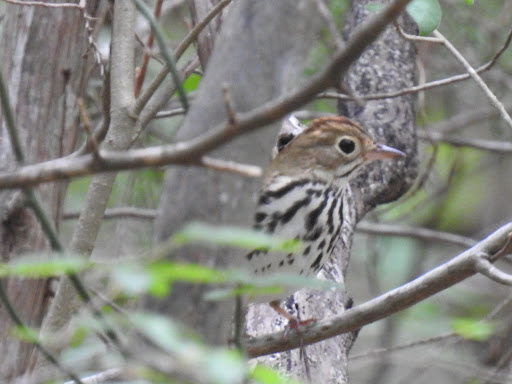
302, 197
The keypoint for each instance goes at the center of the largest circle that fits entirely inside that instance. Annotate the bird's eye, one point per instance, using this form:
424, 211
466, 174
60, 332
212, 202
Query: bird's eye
347, 146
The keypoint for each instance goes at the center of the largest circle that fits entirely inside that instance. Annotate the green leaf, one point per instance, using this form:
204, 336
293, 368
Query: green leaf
426, 13
30, 335
266, 375
34, 267
470, 2
374, 7
164, 273
472, 329
79, 336
192, 82
233, 236
262, 285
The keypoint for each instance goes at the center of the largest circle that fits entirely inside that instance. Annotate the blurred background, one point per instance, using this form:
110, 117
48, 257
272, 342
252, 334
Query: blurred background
464, 334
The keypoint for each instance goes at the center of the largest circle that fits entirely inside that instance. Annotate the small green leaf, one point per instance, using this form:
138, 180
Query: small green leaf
34, 267
266, 375
374, 7
472, 329
232, 236
470, 2
30, 335
192, 82
426, 13
78, 337
262, 285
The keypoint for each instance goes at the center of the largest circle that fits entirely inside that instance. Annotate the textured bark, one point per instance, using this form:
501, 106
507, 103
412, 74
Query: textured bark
259, 59
42, 55
386, 66
257, 64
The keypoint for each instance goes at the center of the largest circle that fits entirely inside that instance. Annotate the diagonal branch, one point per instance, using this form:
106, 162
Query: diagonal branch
435, 281
189, 152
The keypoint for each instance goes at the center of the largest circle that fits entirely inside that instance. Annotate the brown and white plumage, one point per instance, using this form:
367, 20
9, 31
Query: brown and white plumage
301, 197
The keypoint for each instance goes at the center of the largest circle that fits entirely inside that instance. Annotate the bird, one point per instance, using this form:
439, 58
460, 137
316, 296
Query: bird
302, 197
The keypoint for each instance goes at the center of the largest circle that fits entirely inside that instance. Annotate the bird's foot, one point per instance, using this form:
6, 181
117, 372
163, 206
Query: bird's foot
294, 323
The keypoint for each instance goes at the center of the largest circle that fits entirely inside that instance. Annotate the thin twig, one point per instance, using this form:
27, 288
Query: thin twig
487, 269
104, 377
80, 5
380, 351
92, 144
141, 74
230, 112
432, 340
418, 233
188, 152
231, 167
487, 145
159, 78
398, 299
474, 75
170, 113
169, 61
331, 24
424, 86
121, 212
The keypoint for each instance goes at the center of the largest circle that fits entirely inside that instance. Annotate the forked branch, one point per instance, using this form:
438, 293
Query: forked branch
444, 276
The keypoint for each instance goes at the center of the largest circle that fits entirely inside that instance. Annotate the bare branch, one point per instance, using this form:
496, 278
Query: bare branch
229, 105
104, 377
170, 113
437, 280
80, 5
418, 233
121, 212
157, 81
424, 86
488, 145
92, 144
412, 344
474, 75
485, 267
141, 73
231, 167
189, 151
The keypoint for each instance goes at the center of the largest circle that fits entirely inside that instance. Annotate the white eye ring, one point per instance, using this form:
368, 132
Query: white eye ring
348, 146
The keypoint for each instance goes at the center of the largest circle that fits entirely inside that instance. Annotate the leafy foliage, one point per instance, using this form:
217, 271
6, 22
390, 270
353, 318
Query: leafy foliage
426, 13
31, 266
235, 237
472, 329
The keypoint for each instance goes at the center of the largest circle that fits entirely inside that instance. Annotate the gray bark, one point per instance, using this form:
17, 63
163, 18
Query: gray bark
259, 54
42, 55
255, 74
387, 65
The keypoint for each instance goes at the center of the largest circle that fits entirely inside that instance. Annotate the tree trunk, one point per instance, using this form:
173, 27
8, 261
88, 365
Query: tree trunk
42, 55
255, 72
255, 76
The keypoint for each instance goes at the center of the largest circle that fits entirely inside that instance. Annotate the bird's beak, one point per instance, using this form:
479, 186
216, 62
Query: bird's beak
381, 151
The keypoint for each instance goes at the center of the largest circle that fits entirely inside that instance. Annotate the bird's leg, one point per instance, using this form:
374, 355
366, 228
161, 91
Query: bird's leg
293, 322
